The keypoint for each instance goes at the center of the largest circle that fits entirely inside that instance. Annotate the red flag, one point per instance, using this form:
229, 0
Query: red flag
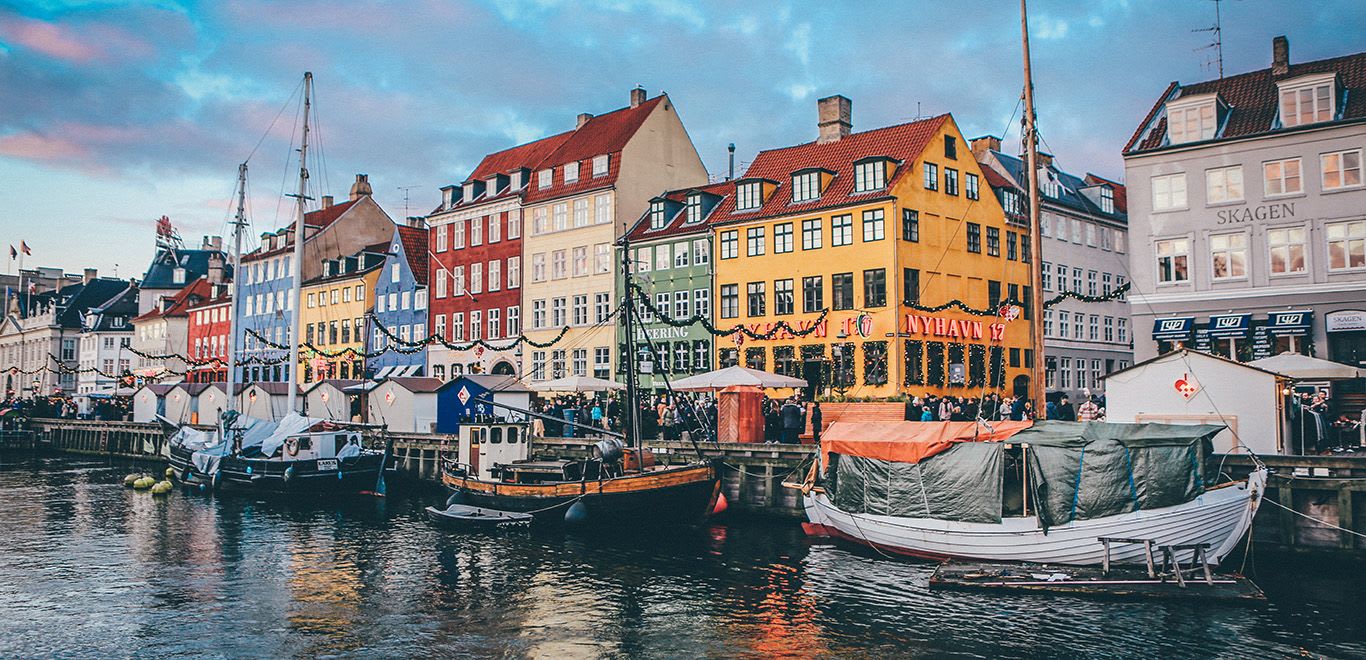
23, 247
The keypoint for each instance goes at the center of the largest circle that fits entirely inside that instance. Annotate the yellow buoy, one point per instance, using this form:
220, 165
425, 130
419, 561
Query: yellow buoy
161, 488
144, 483
170, 472
130, 479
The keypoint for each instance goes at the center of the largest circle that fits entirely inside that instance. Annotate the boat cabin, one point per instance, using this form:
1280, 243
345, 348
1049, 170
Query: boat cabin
484, 447
324, 445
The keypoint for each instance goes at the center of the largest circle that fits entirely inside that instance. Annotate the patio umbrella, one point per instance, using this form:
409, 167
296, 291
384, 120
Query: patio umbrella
1303, 367
737, 375
577, 384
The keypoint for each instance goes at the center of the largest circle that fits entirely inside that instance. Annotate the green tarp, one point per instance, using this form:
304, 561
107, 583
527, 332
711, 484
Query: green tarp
962, 483
1077, 471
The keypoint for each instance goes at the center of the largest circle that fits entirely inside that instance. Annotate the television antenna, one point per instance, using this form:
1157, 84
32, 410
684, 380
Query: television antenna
405, 190
1217, 31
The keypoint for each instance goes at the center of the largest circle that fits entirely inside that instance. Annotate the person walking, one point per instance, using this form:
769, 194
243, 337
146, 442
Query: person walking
793, 420
816, 419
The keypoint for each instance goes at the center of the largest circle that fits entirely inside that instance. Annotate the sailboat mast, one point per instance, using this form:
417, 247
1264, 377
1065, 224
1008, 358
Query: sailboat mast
632, 406
301, 202
1035, 301
237, 227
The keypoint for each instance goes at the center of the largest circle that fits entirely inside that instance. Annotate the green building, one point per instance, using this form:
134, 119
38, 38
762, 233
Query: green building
672, 261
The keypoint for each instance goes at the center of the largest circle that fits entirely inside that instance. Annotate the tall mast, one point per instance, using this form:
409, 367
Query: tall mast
301, 203
628, 309
1035, 302
237, 227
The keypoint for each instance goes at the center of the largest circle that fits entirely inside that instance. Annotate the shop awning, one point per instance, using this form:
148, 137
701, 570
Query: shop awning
1230, 326
1173, 329
1290, 324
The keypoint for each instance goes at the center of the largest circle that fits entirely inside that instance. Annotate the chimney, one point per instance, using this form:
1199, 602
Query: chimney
585, 116
730, 171
637, 96
215, 273
833, 118
981, 145
1280, 56
361, 188
415, 221
90, 274
327, 201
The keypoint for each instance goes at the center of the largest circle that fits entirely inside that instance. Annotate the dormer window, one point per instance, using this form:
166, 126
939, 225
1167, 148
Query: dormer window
600, 165
1048, 184
178, 276
1192, 120
806, 186
448, 198
469, 191
1107, 199
571, 172
515, 180
657, 214
747, 196
694, 208
545, 178
1307, 100
492, 187
870, 174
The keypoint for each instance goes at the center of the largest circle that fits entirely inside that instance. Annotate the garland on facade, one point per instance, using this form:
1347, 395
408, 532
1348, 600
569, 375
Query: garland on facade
977, 365
1115, 294
957, 355
778, 328
438, 339
934, 363
874, 363
998, 367
915, 361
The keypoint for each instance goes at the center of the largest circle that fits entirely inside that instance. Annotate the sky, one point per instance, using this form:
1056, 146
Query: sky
113, 114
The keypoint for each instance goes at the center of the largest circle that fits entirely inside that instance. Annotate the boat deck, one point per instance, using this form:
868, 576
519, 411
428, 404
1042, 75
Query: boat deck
1120, 583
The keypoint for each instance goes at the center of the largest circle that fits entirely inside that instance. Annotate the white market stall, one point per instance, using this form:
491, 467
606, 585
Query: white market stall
149, 401
268, 401
1190, 387
405, 405
182, 403
327, 399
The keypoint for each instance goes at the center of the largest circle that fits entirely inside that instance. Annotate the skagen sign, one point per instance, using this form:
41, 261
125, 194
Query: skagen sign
1244, 214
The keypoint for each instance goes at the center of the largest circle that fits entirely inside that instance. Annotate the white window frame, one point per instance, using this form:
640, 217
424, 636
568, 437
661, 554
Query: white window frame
1180, 247
1220, 185
1192, 122
870, 175
1228, 244
748, 196
806, 186
1290, 100
571, 172
1352, 235
1282, 179
545, 178
600, 165
1342, 171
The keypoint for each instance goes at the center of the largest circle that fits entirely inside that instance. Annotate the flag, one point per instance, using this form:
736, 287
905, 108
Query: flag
23, 247
13, 253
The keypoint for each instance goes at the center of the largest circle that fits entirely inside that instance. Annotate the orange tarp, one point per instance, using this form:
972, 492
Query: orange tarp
909, 442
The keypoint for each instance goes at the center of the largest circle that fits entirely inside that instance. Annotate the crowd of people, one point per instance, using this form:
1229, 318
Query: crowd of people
996, 407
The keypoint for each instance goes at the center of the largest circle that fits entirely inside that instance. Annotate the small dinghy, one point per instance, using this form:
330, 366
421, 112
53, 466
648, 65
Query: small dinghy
474, 517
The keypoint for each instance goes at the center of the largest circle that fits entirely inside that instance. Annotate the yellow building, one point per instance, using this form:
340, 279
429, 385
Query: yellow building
877, 229
335, 307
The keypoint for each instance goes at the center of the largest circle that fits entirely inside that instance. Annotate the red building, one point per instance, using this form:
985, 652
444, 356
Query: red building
475, 274
207, 337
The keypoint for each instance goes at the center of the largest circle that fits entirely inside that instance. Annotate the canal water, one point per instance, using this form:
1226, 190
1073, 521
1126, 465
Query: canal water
91, 569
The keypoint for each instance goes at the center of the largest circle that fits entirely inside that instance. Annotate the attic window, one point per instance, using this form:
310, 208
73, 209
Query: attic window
657, 214
600, 165
1191, 122
571, 172
694, 207
1307, 100
747, 197
492, 187
178, 276
545, 178
1107, 199
870, 175
806, 186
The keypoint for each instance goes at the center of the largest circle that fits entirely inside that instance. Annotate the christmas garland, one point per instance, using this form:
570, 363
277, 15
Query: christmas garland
1114, 294
778, 328
874, 363
977, 365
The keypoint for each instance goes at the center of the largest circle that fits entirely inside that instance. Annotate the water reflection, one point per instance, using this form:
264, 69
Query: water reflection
89, 568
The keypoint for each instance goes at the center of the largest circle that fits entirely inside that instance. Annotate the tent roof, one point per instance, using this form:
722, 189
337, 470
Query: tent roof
1295, 365
908, 442
577, 384
737, 375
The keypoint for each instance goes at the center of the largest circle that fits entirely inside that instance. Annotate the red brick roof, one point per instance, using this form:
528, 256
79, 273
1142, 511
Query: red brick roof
676, 224
525, 155
320, 218
902, 142
414, 241
179, 303
1252, 100
603, 134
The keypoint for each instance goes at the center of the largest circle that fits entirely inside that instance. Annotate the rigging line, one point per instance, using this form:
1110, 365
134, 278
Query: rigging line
272, 122
289, 158
1306, 516
325, 183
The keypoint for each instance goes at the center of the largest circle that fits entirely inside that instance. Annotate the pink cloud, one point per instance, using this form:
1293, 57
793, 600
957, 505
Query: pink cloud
49, 39
44, 148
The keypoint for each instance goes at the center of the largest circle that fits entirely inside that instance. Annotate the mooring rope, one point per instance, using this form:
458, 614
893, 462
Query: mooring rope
1309, 517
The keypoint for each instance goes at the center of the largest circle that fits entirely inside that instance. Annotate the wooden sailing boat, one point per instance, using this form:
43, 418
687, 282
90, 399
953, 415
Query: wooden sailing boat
905, 516
292, 455
619, 485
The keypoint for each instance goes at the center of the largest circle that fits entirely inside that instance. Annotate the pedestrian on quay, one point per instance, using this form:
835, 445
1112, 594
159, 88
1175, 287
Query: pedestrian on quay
793, 420
1065, 411
1088, 410
816, 419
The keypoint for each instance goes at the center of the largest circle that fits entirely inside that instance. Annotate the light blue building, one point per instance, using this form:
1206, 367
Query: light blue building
401, 304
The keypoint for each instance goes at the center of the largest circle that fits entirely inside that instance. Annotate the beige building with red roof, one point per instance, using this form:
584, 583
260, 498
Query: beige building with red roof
857, 242
164, 330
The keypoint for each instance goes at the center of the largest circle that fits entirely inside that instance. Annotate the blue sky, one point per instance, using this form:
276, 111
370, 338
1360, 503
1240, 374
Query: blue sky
113, 114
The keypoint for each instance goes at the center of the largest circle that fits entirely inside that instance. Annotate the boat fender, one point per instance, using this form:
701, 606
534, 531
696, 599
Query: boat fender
289, 473
455, 498
248, 469
216, 480
721, 505
130, 479
577, 514
170, 473
292, 446
339, 474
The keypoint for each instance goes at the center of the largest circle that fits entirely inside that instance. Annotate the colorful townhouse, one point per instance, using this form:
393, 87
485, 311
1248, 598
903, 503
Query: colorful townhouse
400, 306
476, 268
106, 334
876, 230
266, 305
164, 331
210, 323
671, 263
334, 315
582, 197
